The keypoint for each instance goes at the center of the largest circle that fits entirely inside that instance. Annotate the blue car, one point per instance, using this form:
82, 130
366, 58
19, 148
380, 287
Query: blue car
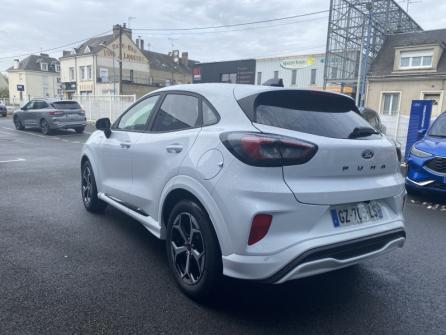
426, 163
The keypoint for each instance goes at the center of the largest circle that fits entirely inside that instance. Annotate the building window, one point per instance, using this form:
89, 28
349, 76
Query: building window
82, 72
58, 80
228, 78
293, 77
259, 78
44, 66
89, 74
416, 59
103, 74
131, 75
57, 68
71, 73
276, 74
390, 103
313, 77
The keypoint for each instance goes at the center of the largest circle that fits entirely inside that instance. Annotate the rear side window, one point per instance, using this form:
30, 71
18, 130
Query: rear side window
310, 112
177, 112
40, 105
66, 105
209, 116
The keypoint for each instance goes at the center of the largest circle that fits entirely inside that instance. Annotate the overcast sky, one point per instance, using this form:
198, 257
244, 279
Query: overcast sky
32, 25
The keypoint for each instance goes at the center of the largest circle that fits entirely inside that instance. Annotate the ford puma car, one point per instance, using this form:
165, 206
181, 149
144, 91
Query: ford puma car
251, 182
426, 164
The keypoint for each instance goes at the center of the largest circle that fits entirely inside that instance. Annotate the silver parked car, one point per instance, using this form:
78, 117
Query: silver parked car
50, 114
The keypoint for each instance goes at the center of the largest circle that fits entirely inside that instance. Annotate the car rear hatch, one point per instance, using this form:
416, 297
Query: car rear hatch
353, 162
69, 110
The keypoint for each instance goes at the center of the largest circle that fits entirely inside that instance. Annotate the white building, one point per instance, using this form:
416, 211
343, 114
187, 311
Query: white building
34, 76
298, 71
93, 67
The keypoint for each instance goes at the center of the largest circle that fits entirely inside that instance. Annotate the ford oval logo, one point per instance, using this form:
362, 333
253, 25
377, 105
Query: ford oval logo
368, 154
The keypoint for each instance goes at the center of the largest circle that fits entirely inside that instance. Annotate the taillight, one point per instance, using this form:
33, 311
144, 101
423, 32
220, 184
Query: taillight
56, 113
259, 228
259, 149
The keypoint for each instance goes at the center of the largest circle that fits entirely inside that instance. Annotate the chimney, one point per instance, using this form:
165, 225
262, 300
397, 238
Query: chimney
124, 28
16, 64
142, 44
137, 42
184, 57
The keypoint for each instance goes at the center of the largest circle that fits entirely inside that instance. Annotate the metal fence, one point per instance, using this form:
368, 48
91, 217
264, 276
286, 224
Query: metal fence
397, 127
99, 106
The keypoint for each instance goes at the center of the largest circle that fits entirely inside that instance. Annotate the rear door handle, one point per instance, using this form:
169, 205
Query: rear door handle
125, 146
174, 148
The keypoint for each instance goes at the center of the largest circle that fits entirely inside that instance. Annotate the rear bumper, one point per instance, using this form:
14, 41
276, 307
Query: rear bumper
67, 124
318, 255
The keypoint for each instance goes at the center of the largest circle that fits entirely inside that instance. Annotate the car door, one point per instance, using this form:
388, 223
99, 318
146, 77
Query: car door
37, 113
25, 113
158, 154
115, 163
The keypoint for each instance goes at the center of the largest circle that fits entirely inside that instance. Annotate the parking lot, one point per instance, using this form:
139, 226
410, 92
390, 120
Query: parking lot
64, 270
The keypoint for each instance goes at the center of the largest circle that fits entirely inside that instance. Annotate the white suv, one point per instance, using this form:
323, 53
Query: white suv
251, 182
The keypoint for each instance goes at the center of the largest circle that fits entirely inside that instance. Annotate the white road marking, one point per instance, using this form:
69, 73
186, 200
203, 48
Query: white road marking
14, 160
44, 136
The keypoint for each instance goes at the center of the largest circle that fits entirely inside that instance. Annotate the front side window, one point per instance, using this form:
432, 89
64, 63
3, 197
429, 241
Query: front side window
135, 119
390, 103
439, 128
177, 112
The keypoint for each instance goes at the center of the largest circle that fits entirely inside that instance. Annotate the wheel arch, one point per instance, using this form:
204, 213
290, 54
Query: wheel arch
183, 187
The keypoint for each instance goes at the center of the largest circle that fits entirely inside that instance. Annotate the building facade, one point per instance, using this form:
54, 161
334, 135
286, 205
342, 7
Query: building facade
237, 72
34, 76
409, 67
297, 71
93, 67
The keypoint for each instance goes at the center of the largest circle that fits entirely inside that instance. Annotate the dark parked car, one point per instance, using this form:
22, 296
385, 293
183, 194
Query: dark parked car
50, 114
3, 110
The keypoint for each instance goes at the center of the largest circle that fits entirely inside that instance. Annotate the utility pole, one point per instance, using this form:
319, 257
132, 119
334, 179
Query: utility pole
120, 57
365, 50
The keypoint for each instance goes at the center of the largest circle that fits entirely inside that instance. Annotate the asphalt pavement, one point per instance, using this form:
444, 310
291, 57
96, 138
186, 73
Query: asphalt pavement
66, 271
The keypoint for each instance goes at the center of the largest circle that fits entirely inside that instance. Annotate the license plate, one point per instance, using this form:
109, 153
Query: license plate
356, 213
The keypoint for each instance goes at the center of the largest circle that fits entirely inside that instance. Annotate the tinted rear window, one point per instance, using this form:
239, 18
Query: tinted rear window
311, 112
66, 105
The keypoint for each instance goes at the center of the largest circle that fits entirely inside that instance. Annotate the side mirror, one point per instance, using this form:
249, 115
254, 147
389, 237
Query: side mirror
422, 132
104, 124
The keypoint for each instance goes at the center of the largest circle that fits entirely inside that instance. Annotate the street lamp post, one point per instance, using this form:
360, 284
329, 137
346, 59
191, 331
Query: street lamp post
114, 72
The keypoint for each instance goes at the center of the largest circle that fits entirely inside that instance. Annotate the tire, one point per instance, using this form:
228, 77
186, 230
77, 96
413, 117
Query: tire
89, 190
18, 124
79, 130
45, 127
201, 279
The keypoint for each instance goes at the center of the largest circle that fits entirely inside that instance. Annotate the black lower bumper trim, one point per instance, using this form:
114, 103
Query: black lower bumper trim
340, 251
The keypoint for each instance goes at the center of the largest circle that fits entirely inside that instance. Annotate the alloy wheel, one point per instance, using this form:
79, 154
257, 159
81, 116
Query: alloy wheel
87, 185
187, 248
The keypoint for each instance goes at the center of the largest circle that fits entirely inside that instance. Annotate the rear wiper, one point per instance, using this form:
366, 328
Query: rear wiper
362, 132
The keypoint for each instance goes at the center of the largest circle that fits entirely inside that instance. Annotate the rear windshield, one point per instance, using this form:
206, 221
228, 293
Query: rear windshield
310, 112
66, 105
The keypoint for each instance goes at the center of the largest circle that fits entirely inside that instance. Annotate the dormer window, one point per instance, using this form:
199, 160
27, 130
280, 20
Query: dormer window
44, 66
57, 68
413, 60
87, 50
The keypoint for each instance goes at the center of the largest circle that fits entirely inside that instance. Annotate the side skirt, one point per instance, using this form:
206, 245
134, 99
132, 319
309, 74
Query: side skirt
139, 215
